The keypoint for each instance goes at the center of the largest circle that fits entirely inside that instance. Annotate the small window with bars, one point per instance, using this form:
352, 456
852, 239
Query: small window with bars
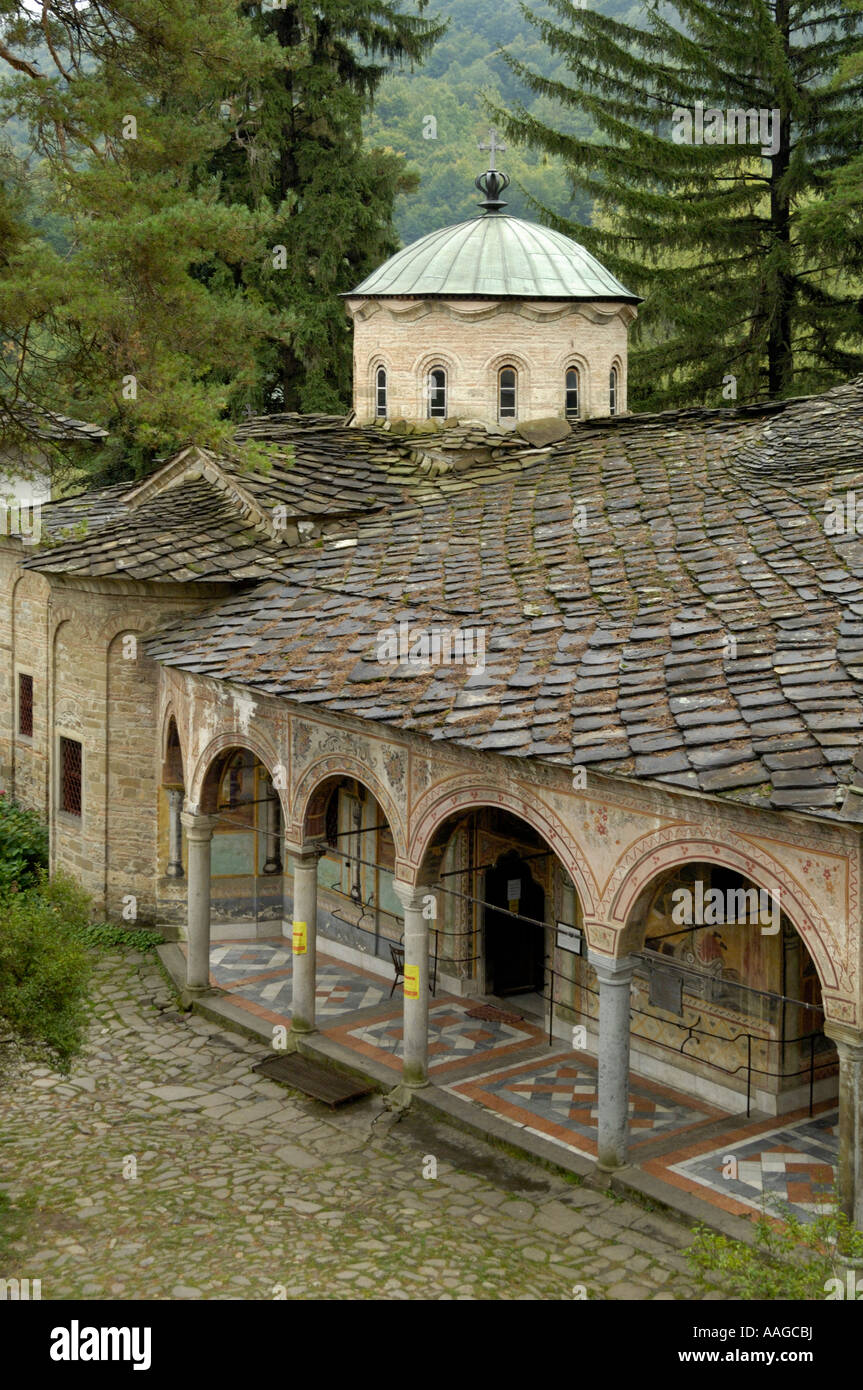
381, 393
612, 391
70, 776
25, 705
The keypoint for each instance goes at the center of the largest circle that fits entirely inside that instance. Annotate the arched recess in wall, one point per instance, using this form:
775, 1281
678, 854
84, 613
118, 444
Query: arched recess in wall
343, 807
423, 367
29, 658
172, 753
734, 961
76, 693
434, 810
511, 896
132, 784
240, 784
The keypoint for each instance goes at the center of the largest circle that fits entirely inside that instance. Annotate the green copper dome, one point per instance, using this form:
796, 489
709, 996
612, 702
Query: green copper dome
495, 257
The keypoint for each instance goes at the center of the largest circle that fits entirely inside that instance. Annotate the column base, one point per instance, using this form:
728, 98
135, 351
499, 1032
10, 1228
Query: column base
399, 1098
611, 1168
301, 1027
190, 993
414, 1082
175, 871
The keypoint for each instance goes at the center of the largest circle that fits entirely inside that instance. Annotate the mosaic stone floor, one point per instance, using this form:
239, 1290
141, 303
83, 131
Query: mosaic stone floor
557, 1099
507, 1068
454, 1039
789, 1160
258, 976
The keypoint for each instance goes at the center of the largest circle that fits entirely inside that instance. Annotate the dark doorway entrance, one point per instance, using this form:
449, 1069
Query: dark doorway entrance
514, 947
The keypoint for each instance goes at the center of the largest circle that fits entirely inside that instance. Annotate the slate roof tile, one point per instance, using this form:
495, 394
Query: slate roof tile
609, 645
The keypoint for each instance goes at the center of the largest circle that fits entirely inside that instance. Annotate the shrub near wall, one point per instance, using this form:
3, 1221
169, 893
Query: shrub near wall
44, 968
44, 965
23, 846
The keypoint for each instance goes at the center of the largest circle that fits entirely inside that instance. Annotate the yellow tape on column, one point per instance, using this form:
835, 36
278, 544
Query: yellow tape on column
412, 982
300, 939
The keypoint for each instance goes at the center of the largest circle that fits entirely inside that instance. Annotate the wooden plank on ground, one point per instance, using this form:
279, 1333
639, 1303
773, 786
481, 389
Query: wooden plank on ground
321, 1083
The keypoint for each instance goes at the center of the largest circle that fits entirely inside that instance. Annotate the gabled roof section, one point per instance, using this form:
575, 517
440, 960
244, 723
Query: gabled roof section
215, 517
188, 533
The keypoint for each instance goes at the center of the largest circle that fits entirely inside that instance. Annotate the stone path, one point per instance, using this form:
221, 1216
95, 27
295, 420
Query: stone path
165, 1168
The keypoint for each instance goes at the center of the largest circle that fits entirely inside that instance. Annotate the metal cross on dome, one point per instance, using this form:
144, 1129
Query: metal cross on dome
493, 147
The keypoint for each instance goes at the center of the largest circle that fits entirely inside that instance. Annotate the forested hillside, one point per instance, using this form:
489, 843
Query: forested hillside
463, 66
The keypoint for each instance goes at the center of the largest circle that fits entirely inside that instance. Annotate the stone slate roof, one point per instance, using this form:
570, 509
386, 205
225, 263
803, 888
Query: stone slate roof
658, 595
202, 517
84, 510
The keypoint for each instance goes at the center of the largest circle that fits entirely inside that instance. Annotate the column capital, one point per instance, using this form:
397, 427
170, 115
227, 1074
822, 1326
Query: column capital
198, 825
309, 849
612, 970
848, 1040
411, 895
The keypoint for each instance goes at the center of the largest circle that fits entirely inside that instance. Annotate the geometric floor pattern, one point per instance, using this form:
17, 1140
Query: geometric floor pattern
454, 1038
230, 961
504, 1065
787, 1162
557, 1098
259, 976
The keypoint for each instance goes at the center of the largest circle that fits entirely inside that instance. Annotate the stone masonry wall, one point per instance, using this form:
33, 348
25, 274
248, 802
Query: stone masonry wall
473, 339
86, 686
23, 650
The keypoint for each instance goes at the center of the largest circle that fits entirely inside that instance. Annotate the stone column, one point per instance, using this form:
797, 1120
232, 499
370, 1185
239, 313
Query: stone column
305, 930
615, 977
175, 834
416, 985
199, 836
849, 1045
273, 863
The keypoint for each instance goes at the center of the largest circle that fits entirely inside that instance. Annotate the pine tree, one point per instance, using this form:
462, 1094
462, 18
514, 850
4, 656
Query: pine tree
297, 151
135, 317
703, 219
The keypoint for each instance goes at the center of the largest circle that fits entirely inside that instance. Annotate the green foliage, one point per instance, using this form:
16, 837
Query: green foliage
463, 71
109, 936
121, 296
296, 156
23, 846
791, 1261
711, 234
44, 967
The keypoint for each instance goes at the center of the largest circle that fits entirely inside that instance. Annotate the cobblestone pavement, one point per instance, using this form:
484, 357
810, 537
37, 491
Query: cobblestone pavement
165, 1168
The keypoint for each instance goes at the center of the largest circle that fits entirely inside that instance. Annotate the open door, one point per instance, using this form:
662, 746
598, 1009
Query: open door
514, 946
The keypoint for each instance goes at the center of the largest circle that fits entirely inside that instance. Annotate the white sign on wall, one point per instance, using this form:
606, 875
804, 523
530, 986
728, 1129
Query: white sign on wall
570, 938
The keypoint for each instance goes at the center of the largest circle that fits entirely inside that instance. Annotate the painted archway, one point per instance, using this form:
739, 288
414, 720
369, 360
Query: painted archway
664, 851
442, 804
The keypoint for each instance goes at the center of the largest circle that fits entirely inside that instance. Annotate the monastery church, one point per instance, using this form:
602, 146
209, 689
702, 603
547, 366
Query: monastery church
527, 707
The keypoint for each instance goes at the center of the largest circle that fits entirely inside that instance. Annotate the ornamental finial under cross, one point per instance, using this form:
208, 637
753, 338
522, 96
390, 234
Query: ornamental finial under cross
493, 181
493, 147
